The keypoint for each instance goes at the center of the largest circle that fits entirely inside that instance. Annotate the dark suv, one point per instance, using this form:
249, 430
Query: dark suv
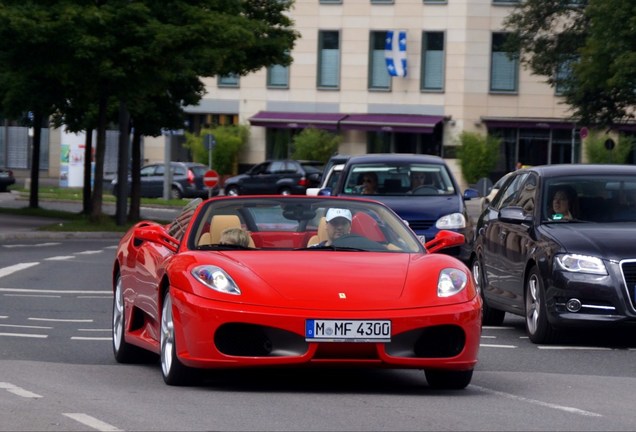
285, 177
187, 180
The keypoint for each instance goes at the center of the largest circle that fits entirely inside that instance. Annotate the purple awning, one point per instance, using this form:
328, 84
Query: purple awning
528, 122
296, 120
413, 123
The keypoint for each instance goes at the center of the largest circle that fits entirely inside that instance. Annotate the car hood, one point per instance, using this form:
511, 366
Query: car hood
329, 280
614, 241
414, 207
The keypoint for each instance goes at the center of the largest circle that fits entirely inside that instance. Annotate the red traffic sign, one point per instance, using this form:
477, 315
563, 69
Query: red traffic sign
211, 178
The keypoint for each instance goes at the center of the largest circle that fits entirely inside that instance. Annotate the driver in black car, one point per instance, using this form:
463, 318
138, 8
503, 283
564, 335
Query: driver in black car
338, 224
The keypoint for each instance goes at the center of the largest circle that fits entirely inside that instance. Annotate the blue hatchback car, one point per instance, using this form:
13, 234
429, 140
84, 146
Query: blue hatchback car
421, 189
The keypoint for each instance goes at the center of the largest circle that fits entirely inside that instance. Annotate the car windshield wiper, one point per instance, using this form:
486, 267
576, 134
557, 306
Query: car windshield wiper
333, 248
218, 246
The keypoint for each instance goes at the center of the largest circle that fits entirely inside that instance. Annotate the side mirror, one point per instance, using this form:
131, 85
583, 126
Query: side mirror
471, 194
513, 214
444, 239
156, 234
324, 192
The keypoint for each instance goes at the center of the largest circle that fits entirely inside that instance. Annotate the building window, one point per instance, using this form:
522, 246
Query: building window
435, 1
330, 1
563, 76
505, 2
432, 78
329, 59
379, 77
231, 80
382, 1
278, 76
504, 66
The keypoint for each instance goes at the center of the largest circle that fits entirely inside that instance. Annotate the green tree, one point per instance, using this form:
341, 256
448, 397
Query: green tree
97, 56
597, 151
478, 155
230, 140
593, 42
315, 144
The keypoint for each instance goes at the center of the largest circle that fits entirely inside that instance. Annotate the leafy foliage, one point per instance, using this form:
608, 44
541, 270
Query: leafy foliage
230, 140
595, 40
478, 155
597, 152
315, 144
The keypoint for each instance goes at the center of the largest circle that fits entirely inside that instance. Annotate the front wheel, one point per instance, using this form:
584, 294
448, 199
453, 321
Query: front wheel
489, 316
173, 371
176, 193
448, 380
537, 325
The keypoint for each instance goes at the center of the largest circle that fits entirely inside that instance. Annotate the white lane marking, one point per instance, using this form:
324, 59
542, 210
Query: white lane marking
111, 247
488, 337
34, 245
26, 326
89, 252
497, 346
50, 291
18, 390
96, 297
91, 422
17, 267
556, 347
4, 316
538, 402
38, 336
31, 295
60, 258
60, 320
91, 338
96, 330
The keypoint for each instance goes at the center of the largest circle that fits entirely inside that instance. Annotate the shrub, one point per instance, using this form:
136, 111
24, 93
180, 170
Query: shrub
597, 152
230, 140
315, 144
478, 155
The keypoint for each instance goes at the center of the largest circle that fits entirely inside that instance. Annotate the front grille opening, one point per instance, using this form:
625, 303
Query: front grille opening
250, 340
432, 342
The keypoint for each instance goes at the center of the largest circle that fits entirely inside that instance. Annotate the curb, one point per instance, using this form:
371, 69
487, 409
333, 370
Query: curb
59, 235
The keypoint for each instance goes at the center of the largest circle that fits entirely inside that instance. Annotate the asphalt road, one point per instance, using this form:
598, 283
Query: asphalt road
57, 371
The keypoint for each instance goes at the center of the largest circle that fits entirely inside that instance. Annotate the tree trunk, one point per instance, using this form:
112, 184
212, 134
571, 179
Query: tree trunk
88, 159
100, 152
122, 164
35, 160
134, 214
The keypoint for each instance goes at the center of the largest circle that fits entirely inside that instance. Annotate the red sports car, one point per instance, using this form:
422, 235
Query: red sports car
261, 281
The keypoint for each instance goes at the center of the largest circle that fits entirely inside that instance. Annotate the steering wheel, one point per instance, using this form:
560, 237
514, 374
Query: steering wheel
358, 242
425, 190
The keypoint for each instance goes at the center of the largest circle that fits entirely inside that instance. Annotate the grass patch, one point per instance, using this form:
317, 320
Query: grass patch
70, 222
77, 194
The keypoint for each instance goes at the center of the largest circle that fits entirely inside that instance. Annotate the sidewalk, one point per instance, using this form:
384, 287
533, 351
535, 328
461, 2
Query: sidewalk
13, 227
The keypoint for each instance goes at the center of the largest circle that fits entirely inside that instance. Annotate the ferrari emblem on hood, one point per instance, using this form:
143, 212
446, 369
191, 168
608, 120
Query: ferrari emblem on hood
342, 295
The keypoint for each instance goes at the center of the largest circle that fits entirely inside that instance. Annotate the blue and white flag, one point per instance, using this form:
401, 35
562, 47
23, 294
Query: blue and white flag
395, 53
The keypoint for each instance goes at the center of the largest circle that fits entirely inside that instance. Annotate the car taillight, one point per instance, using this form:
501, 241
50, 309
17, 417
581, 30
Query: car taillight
190, 177
303, 182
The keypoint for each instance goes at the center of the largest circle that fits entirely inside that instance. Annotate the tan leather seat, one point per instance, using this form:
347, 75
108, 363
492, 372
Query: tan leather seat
219, 224
321, 235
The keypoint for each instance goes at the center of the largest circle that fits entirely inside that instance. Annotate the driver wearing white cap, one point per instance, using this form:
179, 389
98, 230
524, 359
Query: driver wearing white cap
338, 224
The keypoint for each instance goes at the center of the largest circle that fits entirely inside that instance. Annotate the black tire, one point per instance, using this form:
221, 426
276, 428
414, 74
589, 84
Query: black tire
448, 380
122, 350
173, 371
176, 193
539, 330
232, 190
489, 316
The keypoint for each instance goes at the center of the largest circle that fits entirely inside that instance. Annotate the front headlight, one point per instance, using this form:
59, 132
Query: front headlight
450, 282
216, 278
581, 264
451, 221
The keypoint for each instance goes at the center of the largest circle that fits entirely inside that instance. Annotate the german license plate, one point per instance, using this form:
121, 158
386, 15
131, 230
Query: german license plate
347, 330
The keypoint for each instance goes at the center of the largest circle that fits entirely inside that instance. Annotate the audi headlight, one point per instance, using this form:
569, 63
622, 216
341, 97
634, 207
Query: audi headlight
581, 264
451, 221
450, 282
216, 278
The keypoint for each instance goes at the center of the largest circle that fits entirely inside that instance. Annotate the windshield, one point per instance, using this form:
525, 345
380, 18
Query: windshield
590, 198
302, 223
399, 179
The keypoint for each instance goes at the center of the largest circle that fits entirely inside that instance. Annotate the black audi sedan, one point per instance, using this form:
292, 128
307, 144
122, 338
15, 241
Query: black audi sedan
557, 245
